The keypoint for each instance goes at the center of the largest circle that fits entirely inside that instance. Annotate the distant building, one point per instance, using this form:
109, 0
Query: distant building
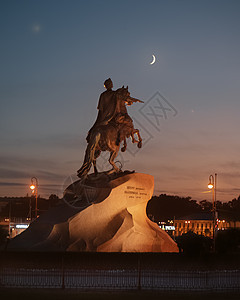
15, 226
201, 224
17, 213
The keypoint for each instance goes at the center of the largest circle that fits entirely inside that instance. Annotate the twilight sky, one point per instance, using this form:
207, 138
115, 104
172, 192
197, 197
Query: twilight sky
55, 56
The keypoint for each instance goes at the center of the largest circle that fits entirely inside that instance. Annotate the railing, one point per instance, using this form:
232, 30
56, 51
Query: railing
120, 271
223, 280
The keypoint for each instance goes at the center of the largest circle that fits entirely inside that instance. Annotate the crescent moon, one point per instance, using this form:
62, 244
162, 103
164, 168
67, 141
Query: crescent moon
154, 59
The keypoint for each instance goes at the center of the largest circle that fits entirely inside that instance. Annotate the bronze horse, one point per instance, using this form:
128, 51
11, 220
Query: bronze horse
109, 137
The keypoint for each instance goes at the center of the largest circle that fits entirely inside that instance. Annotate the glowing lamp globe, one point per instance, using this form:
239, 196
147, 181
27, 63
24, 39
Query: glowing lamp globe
210, 186
32, 187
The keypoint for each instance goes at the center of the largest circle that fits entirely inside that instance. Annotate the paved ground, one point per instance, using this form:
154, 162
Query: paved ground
47, 294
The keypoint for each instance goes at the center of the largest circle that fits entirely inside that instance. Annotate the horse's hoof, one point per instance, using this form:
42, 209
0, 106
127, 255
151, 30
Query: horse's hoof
123, 149
139, 144
111, 172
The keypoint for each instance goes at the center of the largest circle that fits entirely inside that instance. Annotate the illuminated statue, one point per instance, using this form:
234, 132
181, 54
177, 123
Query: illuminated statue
112, 126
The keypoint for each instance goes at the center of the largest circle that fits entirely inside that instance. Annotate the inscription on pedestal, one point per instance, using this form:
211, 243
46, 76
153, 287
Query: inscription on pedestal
135, 192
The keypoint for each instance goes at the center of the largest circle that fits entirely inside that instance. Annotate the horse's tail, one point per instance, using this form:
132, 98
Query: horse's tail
89, 154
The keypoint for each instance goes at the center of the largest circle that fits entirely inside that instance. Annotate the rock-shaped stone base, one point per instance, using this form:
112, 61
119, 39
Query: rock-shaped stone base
113, 220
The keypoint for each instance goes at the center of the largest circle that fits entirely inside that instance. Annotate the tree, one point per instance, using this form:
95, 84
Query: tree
165, 207
194, 244
206, 205
53, 200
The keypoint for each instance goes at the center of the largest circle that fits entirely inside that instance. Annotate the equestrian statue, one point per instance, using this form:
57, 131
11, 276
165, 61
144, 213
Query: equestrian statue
112, 127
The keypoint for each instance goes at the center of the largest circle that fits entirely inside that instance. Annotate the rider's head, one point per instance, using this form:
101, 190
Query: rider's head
108, 84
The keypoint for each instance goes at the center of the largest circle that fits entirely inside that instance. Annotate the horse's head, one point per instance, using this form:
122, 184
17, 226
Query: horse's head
123, 93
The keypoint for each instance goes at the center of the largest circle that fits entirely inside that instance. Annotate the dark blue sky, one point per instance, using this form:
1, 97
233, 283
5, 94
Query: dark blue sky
55, 56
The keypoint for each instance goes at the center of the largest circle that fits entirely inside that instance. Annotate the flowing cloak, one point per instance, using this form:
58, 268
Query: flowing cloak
107, 106
107, 109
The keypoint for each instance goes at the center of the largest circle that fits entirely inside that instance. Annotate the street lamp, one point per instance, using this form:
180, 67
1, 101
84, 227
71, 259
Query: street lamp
212, 185
34, 188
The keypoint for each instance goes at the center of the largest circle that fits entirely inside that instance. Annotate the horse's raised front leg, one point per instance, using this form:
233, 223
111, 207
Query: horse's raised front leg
123, 149
133, 137
139, 141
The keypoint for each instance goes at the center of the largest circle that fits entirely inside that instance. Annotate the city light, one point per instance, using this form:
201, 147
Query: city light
32, 187
22, 226
210, 186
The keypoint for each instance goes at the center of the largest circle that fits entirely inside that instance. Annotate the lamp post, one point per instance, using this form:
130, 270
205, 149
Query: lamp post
34, 188
9, 218
212, 185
